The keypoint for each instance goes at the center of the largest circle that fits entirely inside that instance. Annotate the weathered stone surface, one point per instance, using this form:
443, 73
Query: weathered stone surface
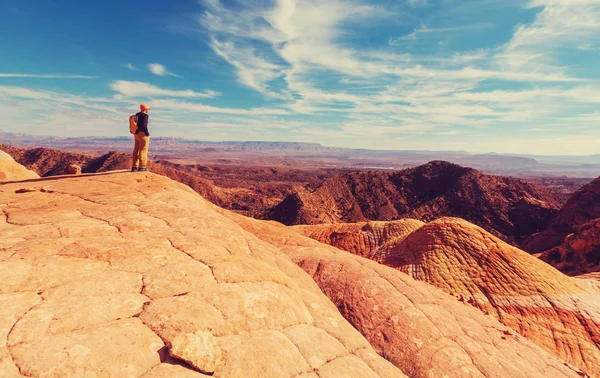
119, 348
557, 312
581, 208
257, 354
417, 327
60, 315
199, 349
102, 271
579, 253
167, 370
74, 169
10, 170
364, 239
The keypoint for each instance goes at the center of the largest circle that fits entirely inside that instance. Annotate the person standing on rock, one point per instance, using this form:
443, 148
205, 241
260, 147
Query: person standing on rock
142, 141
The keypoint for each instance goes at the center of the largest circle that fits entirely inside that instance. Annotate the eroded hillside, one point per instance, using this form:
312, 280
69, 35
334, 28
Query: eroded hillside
132, 272
510, 209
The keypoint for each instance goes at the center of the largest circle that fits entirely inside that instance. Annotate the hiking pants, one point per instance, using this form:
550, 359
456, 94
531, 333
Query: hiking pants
140, 150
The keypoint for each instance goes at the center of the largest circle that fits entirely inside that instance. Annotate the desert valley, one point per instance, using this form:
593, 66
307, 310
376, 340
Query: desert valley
279, 263
300, 189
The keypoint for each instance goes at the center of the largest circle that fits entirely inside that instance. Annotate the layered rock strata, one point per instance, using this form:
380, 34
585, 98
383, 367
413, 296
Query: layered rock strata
363, 238
557, 312
425, 332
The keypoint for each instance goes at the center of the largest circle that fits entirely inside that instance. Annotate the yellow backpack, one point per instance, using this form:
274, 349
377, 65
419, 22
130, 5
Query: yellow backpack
133, 124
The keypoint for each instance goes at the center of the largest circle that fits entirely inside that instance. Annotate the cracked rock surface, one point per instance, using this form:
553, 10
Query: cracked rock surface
100, 275
419, 328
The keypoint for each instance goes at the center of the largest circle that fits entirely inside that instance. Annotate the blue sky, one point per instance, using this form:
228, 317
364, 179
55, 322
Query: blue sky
478, 75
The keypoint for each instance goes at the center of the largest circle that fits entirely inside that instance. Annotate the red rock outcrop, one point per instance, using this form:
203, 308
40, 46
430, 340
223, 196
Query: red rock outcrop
129, 274
363, 238
422, 330
245, 189
582, 207
10, 170
509, 208
559, 313
580, 252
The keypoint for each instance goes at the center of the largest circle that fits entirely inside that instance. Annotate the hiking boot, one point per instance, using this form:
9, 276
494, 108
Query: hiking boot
134, 169
143, 170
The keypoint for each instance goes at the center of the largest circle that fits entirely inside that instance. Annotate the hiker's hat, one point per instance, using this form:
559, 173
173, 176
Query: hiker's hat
144, 107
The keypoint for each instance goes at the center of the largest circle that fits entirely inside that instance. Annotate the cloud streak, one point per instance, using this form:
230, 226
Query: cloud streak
140, 89
160, 70
45, 76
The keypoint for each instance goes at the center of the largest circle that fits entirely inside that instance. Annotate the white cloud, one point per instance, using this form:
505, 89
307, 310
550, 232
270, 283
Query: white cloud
252, 70
160, 70
560, 24
182, 106
424, 29
46, 76
131, 67
140, 89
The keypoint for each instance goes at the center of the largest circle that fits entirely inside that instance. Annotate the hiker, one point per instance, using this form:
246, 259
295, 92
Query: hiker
142, 141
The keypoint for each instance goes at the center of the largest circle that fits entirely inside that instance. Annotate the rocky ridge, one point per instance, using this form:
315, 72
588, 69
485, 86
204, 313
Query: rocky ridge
11, 170
579, 253
582, 207
557, 312
364, 239
510, 209
132, 273
417, 327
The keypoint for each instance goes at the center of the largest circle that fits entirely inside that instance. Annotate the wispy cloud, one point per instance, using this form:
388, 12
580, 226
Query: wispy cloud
131, 67
322, 71
140, 89
424, 29
252, 70
294, 50
160, 70
46, 76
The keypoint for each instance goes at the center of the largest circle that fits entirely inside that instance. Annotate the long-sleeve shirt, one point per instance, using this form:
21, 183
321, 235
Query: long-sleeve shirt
142, 123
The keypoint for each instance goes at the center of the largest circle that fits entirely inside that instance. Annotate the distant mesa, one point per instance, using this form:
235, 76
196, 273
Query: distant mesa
10, 170
582, 207
510, 209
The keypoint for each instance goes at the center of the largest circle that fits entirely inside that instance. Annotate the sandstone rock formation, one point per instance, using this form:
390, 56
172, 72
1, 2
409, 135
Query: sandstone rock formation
49, 162
559, 313
580, 252
10, 170
582, 207
422, 330
74, 169
509, 208
363, 238
247, 190
100, 275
